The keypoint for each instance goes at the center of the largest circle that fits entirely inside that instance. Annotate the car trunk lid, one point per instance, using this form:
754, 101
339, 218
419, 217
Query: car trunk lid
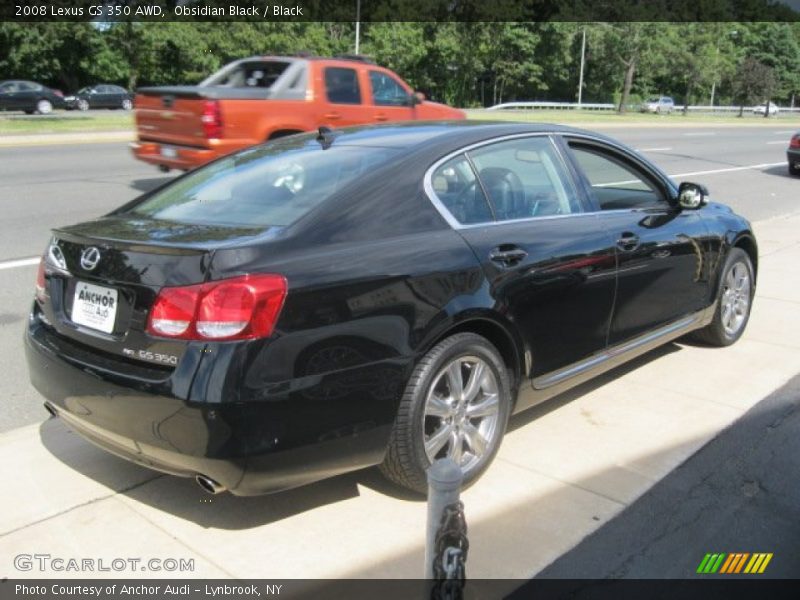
104, 276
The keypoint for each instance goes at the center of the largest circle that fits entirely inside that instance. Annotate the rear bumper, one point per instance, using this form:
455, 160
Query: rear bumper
185, 157
250, 448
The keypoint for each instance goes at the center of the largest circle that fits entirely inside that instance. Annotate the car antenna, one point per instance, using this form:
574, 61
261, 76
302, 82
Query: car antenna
326, 137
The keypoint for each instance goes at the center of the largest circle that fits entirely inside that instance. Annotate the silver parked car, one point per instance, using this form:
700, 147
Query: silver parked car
659, 105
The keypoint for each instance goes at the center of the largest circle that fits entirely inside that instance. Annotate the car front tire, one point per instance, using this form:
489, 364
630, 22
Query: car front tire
44, 107
83, 105
734, 301
456, 404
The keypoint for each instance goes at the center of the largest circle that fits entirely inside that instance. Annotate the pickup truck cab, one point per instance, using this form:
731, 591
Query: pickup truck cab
265, 97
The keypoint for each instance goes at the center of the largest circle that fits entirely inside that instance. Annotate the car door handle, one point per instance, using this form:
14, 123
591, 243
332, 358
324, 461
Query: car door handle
507, 255
381, 117
333, 115
628, 242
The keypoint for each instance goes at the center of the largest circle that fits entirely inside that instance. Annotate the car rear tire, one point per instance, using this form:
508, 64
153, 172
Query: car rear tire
794, 168
44, 107
127, 104
734, 301
83, 105
455, 404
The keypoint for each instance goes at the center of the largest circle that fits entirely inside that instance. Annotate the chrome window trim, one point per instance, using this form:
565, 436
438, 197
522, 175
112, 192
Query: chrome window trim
427, 182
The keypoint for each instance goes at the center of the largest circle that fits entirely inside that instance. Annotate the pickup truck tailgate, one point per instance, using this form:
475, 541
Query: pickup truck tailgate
171, 115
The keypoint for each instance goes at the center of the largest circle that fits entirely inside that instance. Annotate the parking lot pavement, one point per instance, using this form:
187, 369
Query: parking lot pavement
565, 470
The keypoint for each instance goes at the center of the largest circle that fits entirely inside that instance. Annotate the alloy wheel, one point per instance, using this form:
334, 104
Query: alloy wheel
44, 107
735, 298
462, 409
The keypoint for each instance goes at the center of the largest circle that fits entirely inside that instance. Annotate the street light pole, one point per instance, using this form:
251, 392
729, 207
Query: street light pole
580, 80
358, 24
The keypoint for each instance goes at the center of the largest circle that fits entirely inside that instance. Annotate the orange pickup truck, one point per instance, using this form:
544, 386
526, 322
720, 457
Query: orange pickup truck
265, 97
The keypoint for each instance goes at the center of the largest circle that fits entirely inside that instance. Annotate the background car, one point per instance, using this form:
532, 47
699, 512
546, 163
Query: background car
378, 295
793, 154
29, 96
102, 95
762, 109
659, 104
262, 98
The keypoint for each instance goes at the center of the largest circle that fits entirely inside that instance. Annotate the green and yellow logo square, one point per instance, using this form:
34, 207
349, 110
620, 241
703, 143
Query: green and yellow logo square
734, 563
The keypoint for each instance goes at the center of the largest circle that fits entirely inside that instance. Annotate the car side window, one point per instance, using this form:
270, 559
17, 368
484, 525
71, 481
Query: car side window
616, 184
341, 86
525, 178
455, 185
7, 88
24, 86
386, 91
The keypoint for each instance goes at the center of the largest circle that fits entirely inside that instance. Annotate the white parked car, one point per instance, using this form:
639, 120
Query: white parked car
762, 108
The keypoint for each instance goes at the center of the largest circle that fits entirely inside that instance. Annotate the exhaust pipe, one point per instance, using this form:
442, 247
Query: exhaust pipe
209, 485
51, 410
163, 168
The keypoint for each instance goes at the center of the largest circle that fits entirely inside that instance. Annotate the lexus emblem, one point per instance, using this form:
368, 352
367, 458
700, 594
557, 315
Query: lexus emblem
89, 258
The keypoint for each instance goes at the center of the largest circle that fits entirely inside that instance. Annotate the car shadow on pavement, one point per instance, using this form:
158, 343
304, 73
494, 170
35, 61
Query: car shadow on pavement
780, 171
181, 497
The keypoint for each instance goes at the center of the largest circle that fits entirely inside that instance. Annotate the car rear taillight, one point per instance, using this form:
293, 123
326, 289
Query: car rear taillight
212, 119
795, 142
41, 291
240, 308
58, 93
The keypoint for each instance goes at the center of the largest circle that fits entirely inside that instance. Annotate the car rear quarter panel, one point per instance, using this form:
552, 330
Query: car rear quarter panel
356, 318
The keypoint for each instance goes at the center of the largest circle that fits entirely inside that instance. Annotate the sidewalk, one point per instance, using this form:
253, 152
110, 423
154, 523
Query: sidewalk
50, 139
564, 470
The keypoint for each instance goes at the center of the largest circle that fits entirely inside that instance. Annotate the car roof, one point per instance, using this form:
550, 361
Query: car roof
440, 135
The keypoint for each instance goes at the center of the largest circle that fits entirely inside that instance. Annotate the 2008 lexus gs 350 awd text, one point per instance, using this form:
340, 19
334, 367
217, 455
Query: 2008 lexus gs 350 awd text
373, 296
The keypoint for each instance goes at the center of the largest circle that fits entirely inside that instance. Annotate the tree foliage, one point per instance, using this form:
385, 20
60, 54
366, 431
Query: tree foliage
461, 63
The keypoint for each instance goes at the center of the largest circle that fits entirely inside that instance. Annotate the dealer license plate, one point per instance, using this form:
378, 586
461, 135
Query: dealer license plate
94, 306
168, 152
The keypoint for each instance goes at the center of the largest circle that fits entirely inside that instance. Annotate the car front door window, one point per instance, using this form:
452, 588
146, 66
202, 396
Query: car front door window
616, 184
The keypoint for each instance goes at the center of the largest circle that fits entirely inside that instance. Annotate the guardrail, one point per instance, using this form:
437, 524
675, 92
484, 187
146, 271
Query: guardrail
631, 107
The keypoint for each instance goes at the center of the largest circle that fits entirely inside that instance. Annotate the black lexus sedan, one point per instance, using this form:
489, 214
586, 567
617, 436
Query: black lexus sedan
29, 97
381, 295
102, 95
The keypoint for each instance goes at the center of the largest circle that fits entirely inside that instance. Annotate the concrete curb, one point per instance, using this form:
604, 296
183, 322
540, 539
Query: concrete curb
51, 139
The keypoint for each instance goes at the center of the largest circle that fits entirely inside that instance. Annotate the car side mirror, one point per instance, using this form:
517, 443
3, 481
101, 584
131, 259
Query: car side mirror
692, 196
416, 98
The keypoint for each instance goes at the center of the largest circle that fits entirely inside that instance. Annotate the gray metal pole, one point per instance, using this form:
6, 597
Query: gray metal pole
358, 24
444, 488
580, 81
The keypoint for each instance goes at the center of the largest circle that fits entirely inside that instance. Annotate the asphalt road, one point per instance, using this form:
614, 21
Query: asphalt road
46, 186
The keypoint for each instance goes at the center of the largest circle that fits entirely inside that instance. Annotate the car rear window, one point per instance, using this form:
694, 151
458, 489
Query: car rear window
272, 185
248, 74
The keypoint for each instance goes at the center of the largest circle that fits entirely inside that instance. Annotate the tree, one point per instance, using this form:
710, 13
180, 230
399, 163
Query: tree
753, 81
